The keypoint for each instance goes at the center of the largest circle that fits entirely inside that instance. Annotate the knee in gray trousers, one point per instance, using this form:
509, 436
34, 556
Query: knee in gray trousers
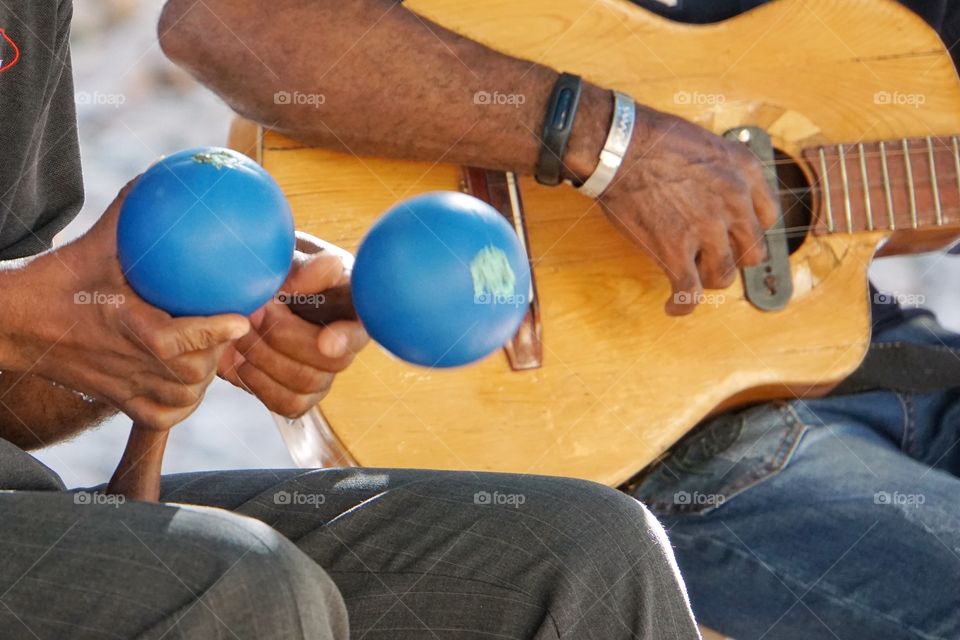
81, 567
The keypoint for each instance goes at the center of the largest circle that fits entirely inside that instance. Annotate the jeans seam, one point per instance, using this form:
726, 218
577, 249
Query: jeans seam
909, 421
867, 611
768, 469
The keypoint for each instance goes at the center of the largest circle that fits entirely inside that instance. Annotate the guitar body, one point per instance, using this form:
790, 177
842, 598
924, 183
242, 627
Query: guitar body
621, 381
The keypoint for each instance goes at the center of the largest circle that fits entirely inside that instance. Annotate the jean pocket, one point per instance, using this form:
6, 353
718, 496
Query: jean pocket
720, 459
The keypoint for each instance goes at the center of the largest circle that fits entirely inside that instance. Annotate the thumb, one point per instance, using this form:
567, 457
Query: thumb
186, 335
112, 213
313, 274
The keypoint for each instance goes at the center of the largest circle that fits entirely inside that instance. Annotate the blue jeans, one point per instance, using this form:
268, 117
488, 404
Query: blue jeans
835, 518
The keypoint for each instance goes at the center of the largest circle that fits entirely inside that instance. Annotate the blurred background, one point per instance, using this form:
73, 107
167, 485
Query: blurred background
133, 107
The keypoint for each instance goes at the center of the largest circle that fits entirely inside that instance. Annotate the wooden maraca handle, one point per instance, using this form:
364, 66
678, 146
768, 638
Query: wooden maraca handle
138, 475
332, 305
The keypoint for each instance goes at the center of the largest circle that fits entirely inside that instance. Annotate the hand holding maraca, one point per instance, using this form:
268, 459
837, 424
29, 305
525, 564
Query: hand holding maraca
86, 329
287, 362
441, 280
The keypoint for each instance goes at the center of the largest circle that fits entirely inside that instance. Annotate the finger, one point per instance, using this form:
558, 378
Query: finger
329, 348
123, 193
276, 397
342, 338
294, 375
153, 415
311, 244
749, 240
687, 288
171, 394
108, 220
765, 204
314, 274
715, 263
194, 367
185, 335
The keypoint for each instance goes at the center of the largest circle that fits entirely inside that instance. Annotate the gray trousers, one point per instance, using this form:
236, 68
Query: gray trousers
289, 554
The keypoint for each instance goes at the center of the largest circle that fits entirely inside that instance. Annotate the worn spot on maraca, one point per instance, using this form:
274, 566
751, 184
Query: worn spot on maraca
492, 273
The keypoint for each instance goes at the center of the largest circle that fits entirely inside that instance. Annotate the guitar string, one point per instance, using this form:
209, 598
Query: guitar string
858, 186
853, 154
802, 230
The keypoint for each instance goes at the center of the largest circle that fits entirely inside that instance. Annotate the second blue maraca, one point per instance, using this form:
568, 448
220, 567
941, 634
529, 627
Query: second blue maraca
441, 280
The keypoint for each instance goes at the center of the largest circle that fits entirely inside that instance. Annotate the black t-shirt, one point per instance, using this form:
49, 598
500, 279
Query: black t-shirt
41, 187
704, 11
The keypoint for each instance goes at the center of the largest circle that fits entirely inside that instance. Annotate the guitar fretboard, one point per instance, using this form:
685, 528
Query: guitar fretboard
910, 183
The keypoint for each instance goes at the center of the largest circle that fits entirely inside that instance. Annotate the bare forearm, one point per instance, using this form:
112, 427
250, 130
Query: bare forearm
35, 413
386, 81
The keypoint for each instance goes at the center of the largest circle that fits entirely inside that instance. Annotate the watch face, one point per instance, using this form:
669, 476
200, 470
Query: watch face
9, 51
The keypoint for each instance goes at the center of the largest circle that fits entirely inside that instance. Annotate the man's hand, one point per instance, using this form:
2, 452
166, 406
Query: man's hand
694, 202
71, 317
285, 361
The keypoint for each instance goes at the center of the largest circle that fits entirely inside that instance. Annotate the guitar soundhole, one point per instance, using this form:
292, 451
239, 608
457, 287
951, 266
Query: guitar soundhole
795, 199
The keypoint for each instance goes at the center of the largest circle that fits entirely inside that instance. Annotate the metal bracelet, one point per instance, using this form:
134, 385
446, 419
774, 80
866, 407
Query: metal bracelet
621, 132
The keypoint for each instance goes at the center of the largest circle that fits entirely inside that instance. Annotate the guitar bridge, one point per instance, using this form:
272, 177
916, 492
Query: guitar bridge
500, 190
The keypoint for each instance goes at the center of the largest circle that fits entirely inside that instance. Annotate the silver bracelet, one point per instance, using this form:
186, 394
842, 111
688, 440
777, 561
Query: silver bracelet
621, 131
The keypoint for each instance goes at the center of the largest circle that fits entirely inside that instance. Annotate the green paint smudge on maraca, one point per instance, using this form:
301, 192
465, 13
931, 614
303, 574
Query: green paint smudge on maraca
492, 273
219, 159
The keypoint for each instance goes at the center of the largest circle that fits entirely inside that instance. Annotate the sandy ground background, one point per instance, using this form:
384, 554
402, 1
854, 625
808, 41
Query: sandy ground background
134, 106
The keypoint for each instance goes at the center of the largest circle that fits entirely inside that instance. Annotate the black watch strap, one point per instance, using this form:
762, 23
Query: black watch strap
557, 127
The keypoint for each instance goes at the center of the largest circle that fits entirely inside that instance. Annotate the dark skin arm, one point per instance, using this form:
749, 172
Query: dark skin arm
394, 84
68, 316
36, 413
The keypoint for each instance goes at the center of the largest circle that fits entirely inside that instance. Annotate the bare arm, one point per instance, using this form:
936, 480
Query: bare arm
394, 84
69, 317
35, 413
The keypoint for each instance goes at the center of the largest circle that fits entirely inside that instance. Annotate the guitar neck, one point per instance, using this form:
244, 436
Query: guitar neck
907, 183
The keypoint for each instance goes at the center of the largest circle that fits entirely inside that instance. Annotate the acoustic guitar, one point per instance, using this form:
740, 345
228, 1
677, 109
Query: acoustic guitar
853, 105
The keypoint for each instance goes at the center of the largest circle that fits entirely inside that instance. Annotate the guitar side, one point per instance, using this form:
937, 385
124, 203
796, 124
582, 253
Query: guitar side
622, 381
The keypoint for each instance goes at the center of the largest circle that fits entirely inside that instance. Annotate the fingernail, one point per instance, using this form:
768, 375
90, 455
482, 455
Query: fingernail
333, 344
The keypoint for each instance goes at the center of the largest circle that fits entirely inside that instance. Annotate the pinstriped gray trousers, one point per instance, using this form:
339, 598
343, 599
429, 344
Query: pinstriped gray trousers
289, 554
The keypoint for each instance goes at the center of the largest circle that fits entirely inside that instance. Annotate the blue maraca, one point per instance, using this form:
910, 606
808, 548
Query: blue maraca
204, 232
441, 280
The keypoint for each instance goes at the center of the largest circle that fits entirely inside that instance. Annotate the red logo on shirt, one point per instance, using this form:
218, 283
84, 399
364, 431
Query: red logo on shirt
9, 52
